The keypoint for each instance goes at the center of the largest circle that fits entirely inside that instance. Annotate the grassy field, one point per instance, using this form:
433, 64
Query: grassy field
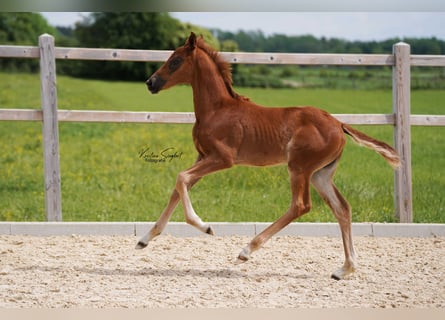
104, 178
335, 77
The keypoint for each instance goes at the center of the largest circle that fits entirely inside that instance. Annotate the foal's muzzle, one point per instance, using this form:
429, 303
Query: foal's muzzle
155, 84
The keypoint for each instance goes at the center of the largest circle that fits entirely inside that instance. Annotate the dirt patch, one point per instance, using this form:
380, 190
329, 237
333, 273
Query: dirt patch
105, 271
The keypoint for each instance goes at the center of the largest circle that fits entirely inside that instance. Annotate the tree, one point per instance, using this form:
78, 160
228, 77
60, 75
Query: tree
130, 30
22, 28
184, 31
123, 30
424, 46
254, 41
229, 46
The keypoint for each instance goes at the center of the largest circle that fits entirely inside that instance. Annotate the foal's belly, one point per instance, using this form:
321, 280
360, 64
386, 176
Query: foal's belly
262, 156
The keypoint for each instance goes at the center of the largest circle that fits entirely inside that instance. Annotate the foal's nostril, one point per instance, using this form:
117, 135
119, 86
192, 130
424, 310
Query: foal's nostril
151, 84
155, 83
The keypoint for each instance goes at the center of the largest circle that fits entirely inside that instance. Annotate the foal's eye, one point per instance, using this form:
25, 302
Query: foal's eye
174, 64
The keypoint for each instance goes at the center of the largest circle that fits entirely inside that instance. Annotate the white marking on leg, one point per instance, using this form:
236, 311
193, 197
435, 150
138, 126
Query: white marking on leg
243, 256
322, 181
190, 215
161, 223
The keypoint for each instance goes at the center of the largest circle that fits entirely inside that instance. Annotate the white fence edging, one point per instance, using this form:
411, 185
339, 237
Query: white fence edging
181, 229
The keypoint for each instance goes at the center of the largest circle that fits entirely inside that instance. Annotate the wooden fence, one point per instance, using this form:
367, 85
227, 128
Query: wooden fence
401, 61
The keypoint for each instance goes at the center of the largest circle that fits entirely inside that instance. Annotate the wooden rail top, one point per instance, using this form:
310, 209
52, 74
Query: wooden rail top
232, 57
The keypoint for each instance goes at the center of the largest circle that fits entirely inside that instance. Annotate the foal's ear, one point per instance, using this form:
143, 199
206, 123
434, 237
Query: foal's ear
191, 41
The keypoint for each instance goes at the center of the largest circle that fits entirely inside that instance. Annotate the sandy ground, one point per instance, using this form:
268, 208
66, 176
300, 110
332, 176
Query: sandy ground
104, 271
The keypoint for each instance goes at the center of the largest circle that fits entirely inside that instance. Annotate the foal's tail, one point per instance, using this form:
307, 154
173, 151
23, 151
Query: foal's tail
380, 147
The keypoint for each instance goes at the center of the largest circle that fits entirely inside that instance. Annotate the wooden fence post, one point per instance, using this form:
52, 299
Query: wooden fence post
48, 94
402, 131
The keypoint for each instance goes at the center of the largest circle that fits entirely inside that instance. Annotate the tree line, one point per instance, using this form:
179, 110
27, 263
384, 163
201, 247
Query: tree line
123, 30
160, 31
256, 41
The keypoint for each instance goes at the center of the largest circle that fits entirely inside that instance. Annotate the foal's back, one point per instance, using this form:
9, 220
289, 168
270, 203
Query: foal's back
268, 136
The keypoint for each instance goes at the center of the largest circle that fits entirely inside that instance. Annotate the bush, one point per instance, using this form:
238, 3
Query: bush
288, 72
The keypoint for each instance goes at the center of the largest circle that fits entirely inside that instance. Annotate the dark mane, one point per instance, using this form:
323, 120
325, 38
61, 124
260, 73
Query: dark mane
224, 67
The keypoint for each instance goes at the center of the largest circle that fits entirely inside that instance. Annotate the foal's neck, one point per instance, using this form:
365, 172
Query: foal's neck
209, 89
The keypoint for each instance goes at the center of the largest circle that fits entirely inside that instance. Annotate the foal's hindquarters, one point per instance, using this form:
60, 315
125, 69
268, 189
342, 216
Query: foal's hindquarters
313, 151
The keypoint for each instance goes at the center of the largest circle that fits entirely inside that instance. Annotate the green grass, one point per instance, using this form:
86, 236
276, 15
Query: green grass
335, 77
104, 179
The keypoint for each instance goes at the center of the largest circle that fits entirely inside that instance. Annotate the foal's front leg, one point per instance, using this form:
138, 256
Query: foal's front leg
164, 217
185, 181
185, 178
161, 223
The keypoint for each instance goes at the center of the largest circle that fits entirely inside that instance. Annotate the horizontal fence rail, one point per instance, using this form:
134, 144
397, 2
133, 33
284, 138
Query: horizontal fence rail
401, 61
189, 117
232, 57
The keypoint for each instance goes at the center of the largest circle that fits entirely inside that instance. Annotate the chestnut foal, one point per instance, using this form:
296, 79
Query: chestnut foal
231, 130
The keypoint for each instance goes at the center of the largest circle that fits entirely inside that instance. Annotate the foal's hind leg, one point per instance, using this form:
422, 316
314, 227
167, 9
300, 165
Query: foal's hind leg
322, 181
301, 204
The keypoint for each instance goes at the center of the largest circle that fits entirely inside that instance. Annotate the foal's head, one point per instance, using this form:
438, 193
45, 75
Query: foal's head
176, 70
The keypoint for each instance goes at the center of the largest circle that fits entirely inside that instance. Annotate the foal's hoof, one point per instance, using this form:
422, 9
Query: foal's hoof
341, 273
141, 245
242, 257
210, 231
240, 260
335, 277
